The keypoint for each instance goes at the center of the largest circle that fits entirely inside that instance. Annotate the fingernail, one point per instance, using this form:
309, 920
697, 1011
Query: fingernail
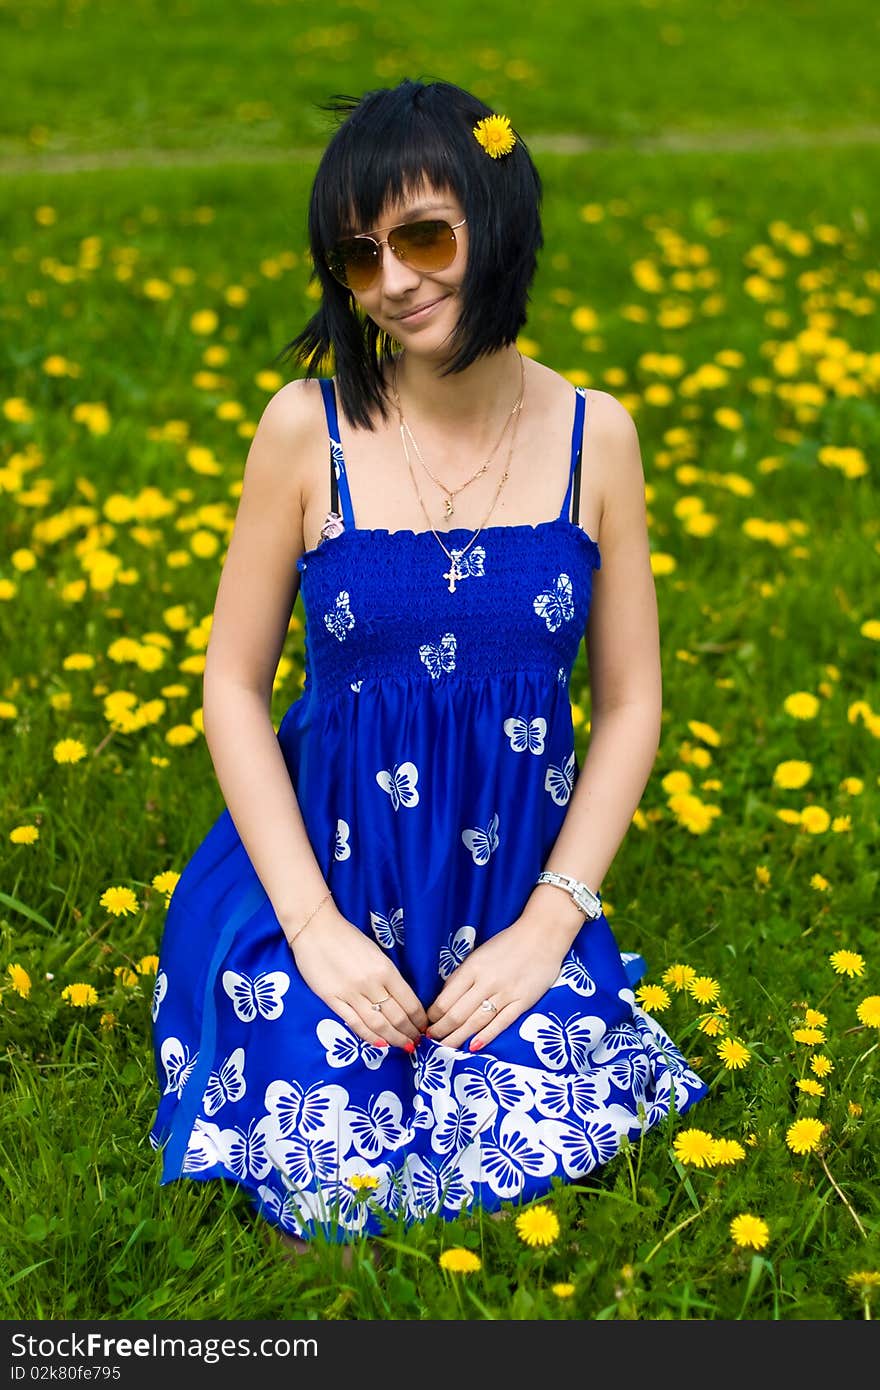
409, 1046
477, 1044
380, 1042
429, 1034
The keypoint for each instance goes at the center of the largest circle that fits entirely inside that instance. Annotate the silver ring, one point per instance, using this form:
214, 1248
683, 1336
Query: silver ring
378, 1007
488, 1007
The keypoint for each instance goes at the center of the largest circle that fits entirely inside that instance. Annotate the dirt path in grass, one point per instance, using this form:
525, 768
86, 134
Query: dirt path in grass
663, 142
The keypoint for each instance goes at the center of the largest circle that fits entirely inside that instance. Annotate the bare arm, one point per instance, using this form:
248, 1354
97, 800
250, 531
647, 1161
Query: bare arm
623, 646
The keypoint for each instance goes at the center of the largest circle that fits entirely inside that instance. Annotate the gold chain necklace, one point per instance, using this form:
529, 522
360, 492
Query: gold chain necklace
456, 571
453, 492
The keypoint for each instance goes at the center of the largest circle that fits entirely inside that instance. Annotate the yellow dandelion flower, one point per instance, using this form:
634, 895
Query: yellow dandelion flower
750, 1231
822, 1066
801, 705
119, 901
19, 979
728, 1151
704, 989
868, 1011
679, 977
107, 1022
853, 786
69, 750
820, 884
713, 1025
847, 963
654, 998
812, 1037
792, 774
814, 1019
733, 1054
804, 1136
695, 1146
459, 1261
762, 874
562, 1290
147, 965
841, 825
495, 135
871, 628
810, 1087
363, 1182
854, 1109
815, 820
24, 835
537, 1226
125, 975
862, 1279
80, 995
705, 732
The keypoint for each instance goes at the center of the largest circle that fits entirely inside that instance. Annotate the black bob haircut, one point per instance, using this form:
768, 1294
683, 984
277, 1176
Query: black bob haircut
388, 142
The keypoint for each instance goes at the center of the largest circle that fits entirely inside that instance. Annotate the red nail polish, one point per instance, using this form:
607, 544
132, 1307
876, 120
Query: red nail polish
380, 1042
476, 1045
409, 1046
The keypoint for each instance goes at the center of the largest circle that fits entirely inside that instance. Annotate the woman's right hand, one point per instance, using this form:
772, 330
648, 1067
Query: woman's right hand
350, 972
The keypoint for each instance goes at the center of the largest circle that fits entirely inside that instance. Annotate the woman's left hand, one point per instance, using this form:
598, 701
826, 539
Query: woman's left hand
512, 970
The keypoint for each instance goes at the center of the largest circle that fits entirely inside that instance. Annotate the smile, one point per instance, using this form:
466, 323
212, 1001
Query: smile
422, 313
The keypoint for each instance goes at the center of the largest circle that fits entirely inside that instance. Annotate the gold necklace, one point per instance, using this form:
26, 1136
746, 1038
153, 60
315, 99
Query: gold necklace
453, 492
456, 572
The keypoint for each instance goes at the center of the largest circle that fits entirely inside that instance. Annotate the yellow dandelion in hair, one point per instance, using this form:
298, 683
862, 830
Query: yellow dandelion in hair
19, 979
751, 1231
804, 1136
80, 995
704, 989
733, 1054
695, 1146
537, 1226
847, 963
653, 998
868, 1011
679, 977
119, 901
822, 1066
495, 135
459, 1261
810, 1087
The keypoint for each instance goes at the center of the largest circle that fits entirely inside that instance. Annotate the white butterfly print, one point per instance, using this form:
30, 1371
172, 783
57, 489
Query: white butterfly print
337, 457
556, 606
482, 843
356, 685
284, 1212
563, 1045
226, 1084
457, 1125
498, 1082
343, 848
343, 1047
310, 1112
471, 563
341, 619
517, 1154
400, 784
388, 931
262, 995
582, 1147
560, 675
303, 1160
246, 1151
428, 1190
203, 1148
576, 975
459, 948
377, 1127
560, 1096
560, 780
160, 989
526, 735
439, 658
178, 1064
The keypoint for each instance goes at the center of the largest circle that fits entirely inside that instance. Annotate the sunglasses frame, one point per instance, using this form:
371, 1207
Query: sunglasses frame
385, 241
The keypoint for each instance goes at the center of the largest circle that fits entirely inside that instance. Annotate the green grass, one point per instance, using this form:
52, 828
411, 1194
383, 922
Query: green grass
85, 1230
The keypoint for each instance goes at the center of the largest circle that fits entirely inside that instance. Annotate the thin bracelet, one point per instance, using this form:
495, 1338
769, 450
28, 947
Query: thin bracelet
291, 939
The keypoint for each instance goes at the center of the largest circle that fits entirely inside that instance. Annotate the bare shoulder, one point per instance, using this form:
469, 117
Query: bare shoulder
612, 456
285, 431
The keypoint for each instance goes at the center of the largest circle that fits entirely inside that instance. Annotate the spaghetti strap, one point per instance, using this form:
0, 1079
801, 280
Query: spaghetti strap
339, 491
574, 475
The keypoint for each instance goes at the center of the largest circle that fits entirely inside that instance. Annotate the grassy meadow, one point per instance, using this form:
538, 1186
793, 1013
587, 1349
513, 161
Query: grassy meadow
729, 299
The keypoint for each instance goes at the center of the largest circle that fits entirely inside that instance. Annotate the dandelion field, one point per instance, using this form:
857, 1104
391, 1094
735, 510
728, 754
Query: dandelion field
729, 300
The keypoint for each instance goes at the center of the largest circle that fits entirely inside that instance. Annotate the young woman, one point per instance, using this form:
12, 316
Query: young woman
386, 981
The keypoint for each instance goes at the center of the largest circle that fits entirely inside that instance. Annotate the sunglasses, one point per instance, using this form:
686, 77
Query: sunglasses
355, 261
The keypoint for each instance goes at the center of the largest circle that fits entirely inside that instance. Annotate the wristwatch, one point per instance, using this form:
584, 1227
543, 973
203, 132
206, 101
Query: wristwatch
589, 902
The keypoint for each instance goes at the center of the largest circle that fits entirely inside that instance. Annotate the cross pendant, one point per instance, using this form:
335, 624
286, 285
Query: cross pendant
453, 573
449, 506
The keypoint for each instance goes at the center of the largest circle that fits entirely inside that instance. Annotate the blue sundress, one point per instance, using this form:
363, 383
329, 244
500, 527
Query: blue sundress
432, 754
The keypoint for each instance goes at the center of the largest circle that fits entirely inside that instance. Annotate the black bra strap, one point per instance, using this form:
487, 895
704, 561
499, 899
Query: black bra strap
334, 487
576, 490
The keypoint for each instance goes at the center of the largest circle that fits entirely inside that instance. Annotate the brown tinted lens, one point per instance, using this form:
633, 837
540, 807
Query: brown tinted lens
354, 261
424, 245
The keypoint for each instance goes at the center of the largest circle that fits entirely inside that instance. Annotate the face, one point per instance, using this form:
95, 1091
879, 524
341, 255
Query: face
399, 288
